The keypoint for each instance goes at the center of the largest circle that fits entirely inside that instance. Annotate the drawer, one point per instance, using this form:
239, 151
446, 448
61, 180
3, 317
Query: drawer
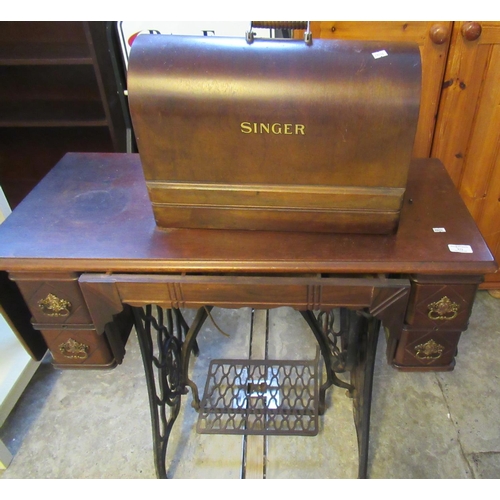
54, 299
441, 306
427, 348
83, 348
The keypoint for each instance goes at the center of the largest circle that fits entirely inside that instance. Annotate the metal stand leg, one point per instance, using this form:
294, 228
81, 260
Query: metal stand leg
355, 353
362, 380
165, 355
191, 345
330, 360
166, 345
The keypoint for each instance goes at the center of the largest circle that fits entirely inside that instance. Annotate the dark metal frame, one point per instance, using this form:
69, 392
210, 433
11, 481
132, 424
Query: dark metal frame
167, 341
358, 337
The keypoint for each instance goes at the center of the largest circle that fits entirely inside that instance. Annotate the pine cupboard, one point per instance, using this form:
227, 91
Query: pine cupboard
459, 120
467, 134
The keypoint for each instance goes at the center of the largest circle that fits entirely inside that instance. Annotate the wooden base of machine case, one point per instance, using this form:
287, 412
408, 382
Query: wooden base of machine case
277, 220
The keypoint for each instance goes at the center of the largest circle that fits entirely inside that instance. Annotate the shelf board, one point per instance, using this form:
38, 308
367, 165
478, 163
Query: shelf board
52, 123
27, 54
54, 113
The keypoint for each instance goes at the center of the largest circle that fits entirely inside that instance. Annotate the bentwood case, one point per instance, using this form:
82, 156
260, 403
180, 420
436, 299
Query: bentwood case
277, 135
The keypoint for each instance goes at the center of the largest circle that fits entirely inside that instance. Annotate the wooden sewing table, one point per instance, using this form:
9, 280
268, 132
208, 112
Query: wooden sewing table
84, 251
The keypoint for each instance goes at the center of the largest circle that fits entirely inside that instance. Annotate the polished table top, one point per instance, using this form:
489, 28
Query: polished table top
92, 213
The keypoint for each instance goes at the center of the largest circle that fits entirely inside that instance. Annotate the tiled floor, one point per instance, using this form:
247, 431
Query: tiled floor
96, 424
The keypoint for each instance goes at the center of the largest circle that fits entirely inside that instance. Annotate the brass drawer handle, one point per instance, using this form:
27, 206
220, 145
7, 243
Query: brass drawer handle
443, 309
54, 306
74, 350
429, 350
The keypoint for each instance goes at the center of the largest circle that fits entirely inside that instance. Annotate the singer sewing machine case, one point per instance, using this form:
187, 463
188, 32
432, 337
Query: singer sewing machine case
276, 134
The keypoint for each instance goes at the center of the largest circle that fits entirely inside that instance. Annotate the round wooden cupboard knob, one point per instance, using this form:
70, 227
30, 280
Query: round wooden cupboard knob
439, 33
471, 31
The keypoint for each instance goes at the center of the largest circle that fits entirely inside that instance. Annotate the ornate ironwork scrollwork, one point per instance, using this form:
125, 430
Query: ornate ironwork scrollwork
443, 309
352, 348
74, 350
54, 306
431, 350
327, 321
161, 352
165, 353
166, 343
342, 337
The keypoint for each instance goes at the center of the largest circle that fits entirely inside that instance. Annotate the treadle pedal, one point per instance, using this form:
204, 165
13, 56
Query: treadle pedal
265, 397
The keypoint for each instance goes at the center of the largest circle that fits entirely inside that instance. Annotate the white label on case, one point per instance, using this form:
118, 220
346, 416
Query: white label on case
379, 54
439, 229
460, 248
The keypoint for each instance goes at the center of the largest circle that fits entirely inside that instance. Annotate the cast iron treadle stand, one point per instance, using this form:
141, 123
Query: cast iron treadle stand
166, 343
358, 337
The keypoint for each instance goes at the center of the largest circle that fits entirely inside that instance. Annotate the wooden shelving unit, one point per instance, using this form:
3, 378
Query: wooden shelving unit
60, 91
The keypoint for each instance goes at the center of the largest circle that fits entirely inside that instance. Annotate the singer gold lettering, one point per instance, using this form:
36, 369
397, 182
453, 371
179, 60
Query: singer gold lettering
273, 128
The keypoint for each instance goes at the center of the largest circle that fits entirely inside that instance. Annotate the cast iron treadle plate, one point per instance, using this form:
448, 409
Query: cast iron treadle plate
260, 397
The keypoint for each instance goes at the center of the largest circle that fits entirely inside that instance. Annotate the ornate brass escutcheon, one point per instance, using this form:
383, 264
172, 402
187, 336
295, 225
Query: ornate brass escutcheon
74, 350
54, 306
429, 350
443, 309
